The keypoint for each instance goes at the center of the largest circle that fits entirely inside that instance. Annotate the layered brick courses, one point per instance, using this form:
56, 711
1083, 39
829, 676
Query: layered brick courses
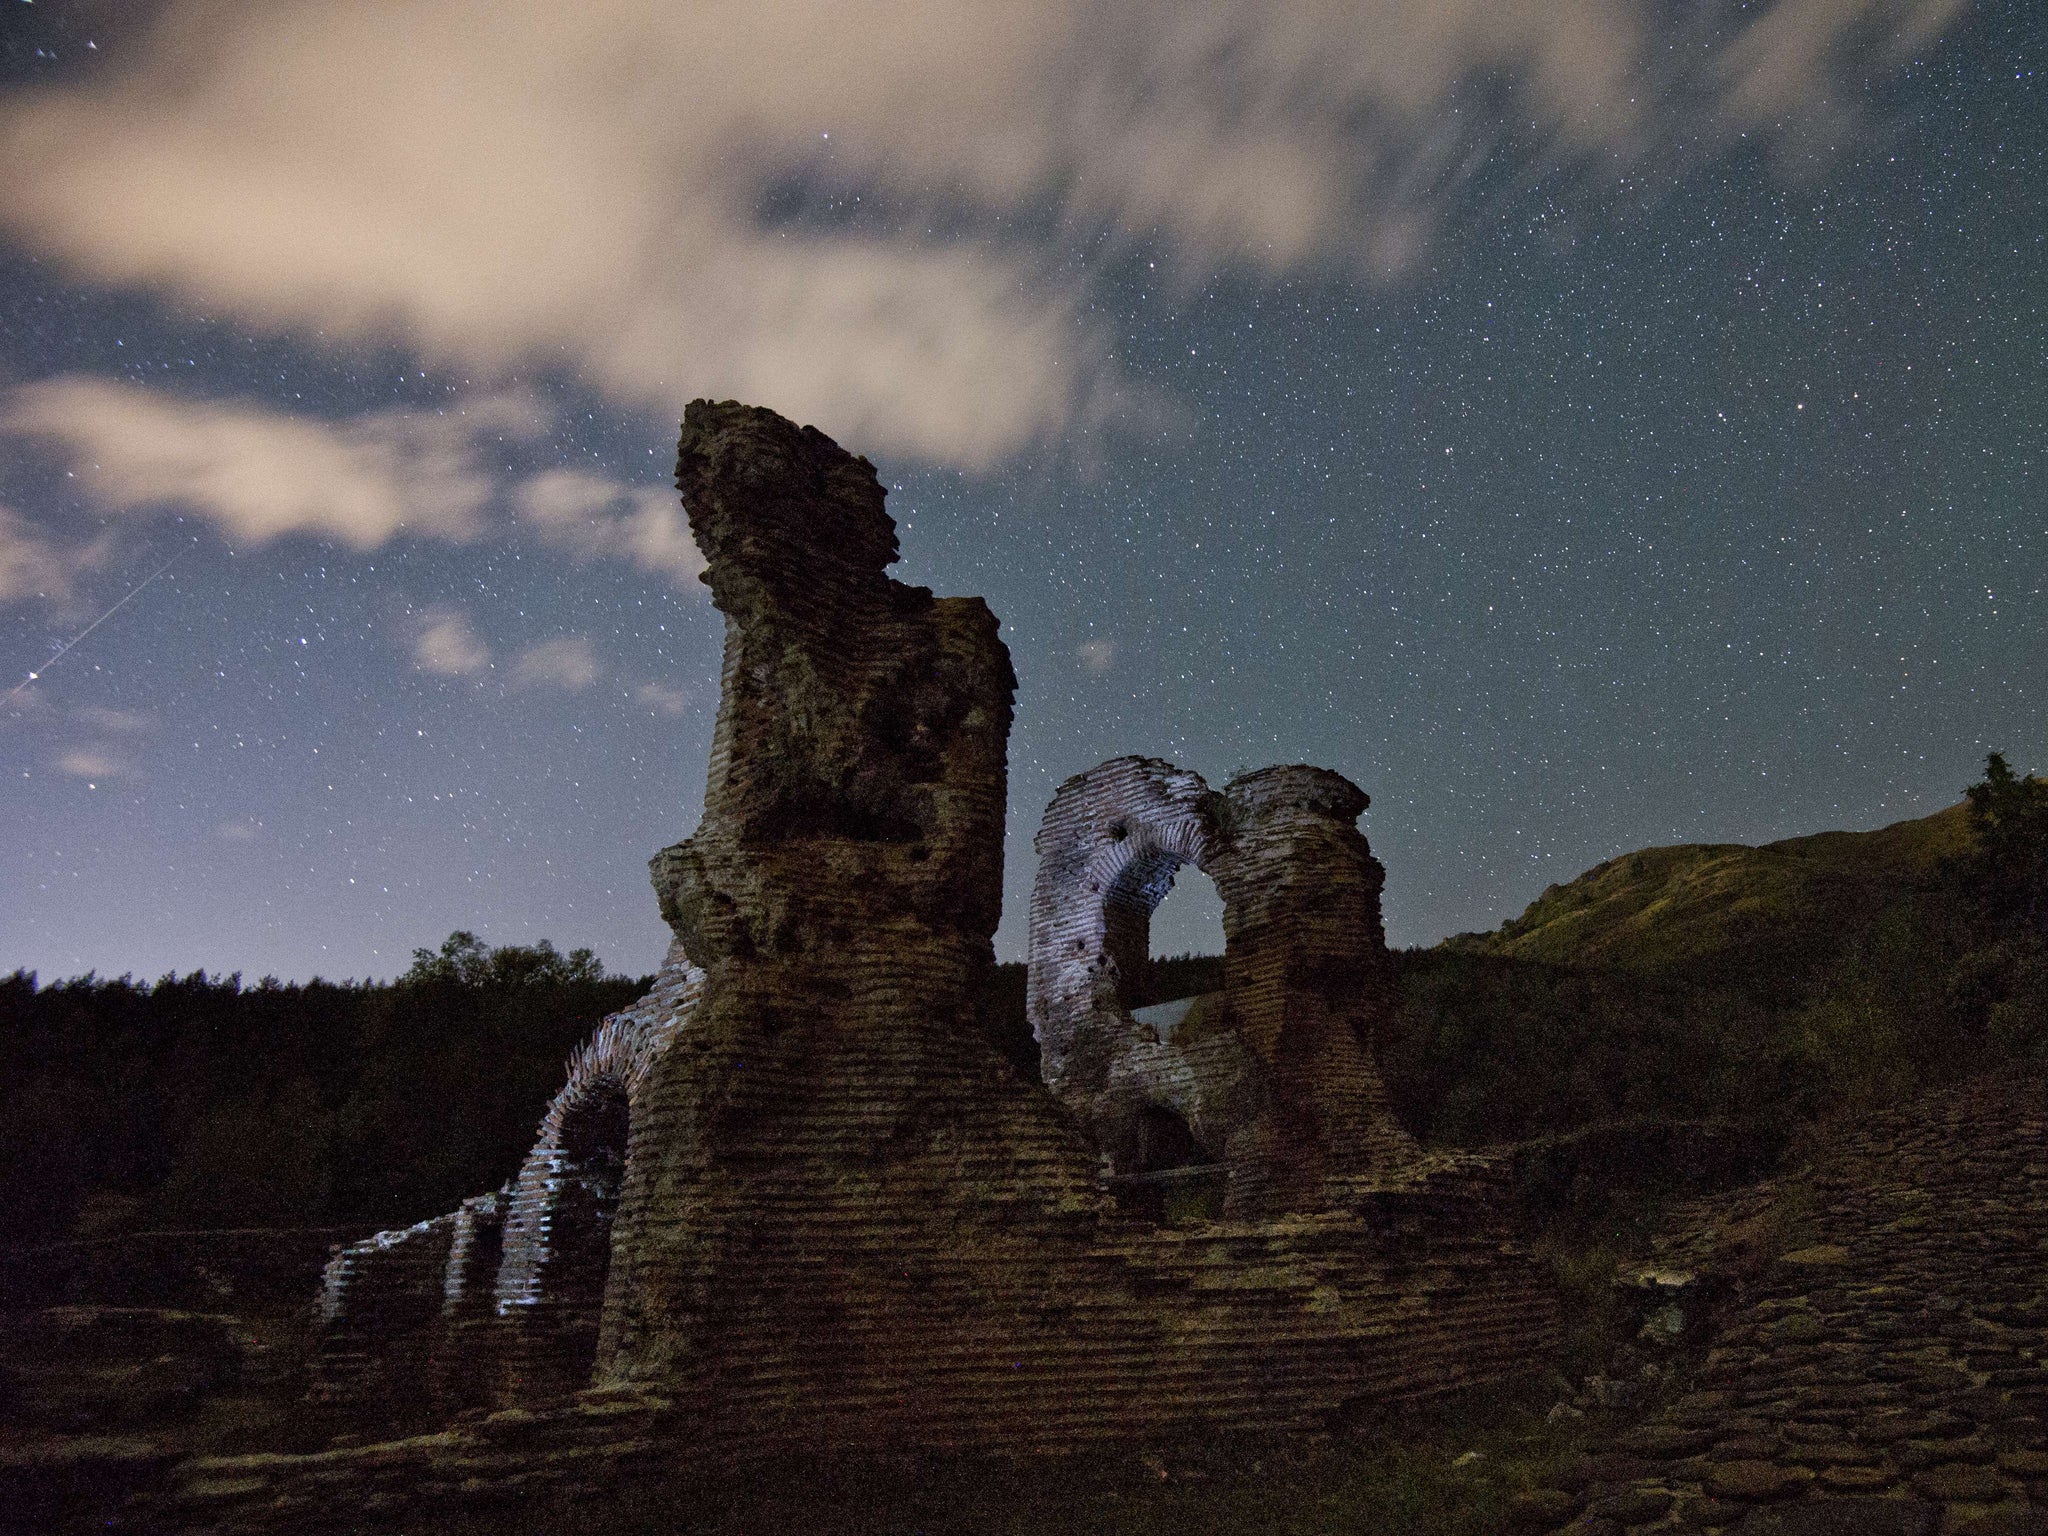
1275, 1078
844, 1223
499, 1300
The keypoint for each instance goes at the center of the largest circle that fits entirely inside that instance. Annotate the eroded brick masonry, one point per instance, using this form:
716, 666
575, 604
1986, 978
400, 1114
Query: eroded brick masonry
795, 1199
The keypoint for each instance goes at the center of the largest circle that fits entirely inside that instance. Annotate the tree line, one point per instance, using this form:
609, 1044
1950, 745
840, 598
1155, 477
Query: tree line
198, 1101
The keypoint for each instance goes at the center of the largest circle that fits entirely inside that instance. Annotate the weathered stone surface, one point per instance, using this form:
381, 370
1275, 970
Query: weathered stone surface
501, 1298
555, 1247
1632, 1506
1754, 1480
1879, 1368
1841, 1517
1539, 1509
1957, 1481
816, 1175
821, 1211
2005, 1520
1273, 1078
1307, 975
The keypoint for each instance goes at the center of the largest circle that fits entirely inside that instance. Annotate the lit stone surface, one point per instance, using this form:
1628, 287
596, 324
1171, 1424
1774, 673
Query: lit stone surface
501, 1298
1273, 1079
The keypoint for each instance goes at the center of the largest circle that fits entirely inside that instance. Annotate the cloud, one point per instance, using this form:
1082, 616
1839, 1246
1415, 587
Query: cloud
618, 185
446, 645
260, 474
1780, 65
92, 763
118, 722
569, 662
1096, 656
590, 516
662, 700
34, 564
238, 831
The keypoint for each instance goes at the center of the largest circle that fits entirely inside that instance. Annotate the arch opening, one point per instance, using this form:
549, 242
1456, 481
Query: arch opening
1166, 1143
1186, 957
1169, 1177
1127, 908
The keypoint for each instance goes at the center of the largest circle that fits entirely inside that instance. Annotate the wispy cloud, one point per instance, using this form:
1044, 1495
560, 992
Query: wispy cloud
35, 563
569, 662
1096, 656
95, 763
1787, 63
595, 193
258, 473
661, 699
590, 515
118, 722
444, 643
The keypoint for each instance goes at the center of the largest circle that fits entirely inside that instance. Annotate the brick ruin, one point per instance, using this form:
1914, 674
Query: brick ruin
1269, 1084
795, 1198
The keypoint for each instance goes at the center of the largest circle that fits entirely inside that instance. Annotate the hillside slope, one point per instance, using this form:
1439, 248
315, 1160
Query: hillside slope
1788, 904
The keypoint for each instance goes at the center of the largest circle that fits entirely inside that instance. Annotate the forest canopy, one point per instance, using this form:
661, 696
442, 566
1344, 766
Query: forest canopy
198, 1101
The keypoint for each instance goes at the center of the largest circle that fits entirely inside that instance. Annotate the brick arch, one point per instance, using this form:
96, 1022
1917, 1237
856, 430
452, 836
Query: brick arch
560, 1208
1273, 1076
1112, 842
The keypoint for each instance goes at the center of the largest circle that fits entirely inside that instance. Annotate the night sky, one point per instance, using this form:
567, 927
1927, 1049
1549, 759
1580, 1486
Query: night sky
1584, 423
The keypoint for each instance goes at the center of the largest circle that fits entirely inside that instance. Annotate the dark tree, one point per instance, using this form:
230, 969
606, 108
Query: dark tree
2008, 870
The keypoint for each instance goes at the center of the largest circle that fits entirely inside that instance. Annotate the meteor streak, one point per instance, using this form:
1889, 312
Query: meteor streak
58, 655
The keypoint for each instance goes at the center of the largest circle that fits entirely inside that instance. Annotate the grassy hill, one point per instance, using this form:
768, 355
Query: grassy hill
1809, 978
1783, 909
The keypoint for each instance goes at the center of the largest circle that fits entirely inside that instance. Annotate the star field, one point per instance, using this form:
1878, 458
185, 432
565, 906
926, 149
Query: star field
1698, 500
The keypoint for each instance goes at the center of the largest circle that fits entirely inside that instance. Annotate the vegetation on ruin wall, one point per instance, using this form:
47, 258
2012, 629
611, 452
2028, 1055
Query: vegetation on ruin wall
197, 1101
1767, 986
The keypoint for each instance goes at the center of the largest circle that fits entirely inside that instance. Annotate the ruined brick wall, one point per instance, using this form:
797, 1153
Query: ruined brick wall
843, 1221
1274, 1079
837, 1126
557, 1240
378, 1320
1108, 850
1306, 973
499, 1301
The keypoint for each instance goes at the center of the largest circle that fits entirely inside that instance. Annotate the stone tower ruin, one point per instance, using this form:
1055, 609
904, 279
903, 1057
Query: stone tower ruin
796, 1200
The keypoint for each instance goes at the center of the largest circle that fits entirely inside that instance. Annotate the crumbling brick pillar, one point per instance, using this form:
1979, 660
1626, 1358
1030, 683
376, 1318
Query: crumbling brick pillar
1109, 848
835, 1121
1306, 973
1275, 1078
